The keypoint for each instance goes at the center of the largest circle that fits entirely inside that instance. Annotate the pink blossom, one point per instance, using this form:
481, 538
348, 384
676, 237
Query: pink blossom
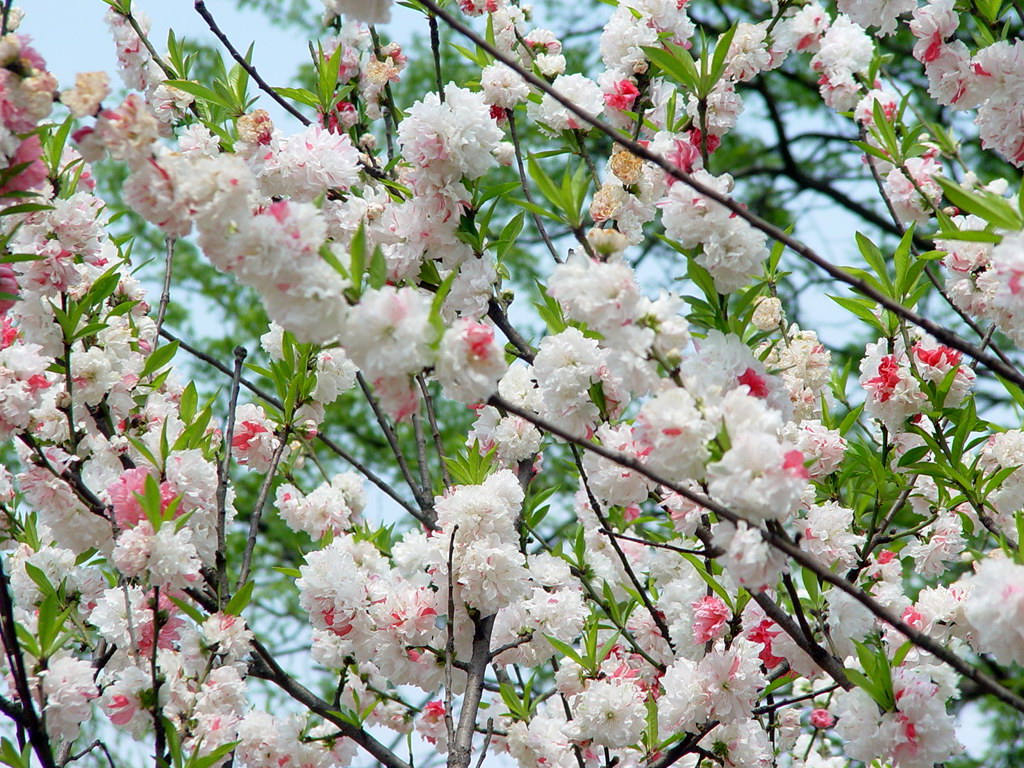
822, 718
124, 493
757, 384
28, 153
763, 634
710, 615
8, 284
623, 95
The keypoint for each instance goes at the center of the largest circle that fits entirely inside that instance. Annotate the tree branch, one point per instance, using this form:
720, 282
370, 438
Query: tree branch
200, 7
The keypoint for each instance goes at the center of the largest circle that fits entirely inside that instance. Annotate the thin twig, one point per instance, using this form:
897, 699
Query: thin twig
523, 639
421, 495
16, 666
660, 544
165, 294
487, 742
90, 748
526, 186
7, 16
264, 665
985, 336
428, 401
462, 748
876, 530
435, 49
496, 312
390, 119
84, 493
421, 451
257, 511
160, 736
795, 700
684, 747
223, 475
200, 7
449, 645
659, 621
157, 59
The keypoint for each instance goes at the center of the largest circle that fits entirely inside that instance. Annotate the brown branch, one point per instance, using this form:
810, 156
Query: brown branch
422, 495
257, 511
16, 665
462, 749
510, 113
496, 312
659, 621
165, 293
200, 7
832, 666
223, 474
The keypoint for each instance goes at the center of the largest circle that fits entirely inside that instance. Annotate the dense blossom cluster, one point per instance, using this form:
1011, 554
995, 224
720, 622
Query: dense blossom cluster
706, 436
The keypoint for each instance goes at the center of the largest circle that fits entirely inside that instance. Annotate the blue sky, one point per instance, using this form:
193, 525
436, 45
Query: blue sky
72, 36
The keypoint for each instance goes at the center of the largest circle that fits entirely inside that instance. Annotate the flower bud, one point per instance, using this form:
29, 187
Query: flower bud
767, 313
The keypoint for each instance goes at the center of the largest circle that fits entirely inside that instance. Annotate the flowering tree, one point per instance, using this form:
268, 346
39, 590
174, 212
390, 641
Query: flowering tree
672, 527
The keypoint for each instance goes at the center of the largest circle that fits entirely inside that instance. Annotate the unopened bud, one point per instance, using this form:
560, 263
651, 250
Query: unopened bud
767, 313
626, 166
256, 127
607, 242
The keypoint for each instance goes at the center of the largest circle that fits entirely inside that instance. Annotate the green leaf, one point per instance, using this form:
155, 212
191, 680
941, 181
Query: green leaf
300, 95
874, 258
544, 183
201, 759
173, 742
718, 61
859, 679
901, 653
241, 599
534, 208
509, 233
189, 610
436, 318
202, 92
470, 466
160, 357
568, 651
862, 308
40, 579
25, 208
54, 146
188, 402
358, 258
968, 235
327, 77
378, 272
710, 580
992, 208
810, 580
676, 62
9, 754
